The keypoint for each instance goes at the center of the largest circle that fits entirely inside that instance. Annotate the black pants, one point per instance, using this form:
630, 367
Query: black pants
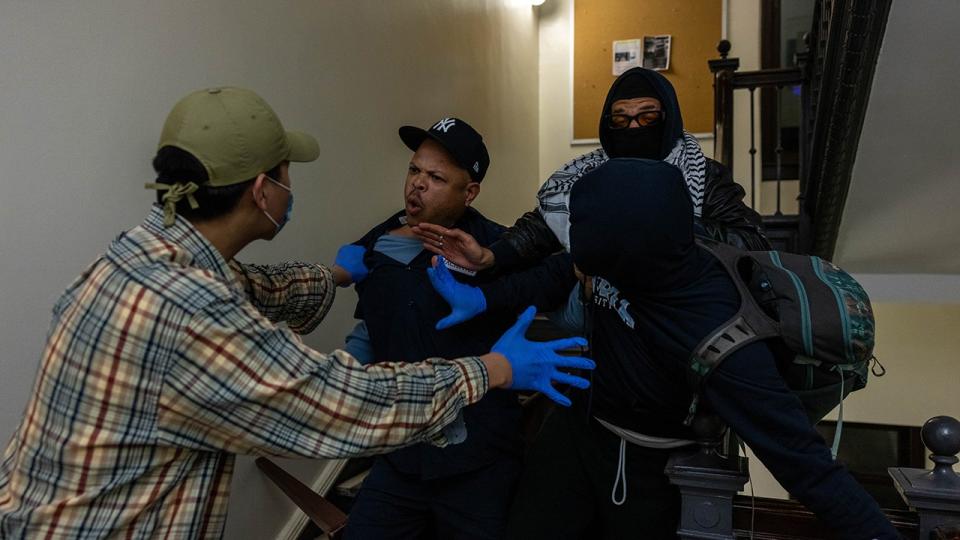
472, 505
749, 393
565, 489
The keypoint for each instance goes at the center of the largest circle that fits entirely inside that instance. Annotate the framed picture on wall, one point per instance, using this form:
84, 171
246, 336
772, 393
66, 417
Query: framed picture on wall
656, 52
626, 55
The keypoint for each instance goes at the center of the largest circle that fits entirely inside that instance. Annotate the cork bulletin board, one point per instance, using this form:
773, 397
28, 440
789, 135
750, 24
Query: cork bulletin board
695, 26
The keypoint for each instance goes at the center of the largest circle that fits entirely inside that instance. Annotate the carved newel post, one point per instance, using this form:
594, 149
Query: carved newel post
723, 69
708, 483
935, 495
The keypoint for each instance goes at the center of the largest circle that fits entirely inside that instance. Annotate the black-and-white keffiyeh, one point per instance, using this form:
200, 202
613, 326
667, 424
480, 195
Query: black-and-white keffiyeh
554, 195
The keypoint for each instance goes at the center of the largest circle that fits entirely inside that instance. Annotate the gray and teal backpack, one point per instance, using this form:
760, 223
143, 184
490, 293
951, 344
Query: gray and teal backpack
814, 316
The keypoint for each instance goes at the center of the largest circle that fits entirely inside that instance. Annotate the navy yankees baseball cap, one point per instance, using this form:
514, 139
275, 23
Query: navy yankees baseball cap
457, 137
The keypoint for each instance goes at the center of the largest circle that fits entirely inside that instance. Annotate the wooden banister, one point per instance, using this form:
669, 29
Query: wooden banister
767, 519
322, 512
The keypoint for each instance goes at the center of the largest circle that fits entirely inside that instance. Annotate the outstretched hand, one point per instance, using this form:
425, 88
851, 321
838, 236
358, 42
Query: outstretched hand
350, 261
455, 245
536, 364
466, 302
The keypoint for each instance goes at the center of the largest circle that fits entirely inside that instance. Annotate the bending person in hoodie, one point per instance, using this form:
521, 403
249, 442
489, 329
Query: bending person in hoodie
630, 222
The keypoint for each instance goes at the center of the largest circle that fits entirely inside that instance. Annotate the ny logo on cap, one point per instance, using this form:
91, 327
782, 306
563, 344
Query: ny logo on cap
476, 166
444, 125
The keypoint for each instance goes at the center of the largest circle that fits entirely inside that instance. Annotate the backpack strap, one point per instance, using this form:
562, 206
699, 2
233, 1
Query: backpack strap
835, 447
731, 336
747, 325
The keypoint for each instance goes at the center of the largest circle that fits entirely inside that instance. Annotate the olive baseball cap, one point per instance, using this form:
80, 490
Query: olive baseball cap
234, 133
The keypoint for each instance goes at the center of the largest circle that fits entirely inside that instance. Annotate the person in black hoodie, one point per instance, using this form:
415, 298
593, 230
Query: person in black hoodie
640, 118
630, 222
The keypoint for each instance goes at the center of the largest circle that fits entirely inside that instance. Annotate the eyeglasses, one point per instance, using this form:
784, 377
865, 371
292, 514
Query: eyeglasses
643, 119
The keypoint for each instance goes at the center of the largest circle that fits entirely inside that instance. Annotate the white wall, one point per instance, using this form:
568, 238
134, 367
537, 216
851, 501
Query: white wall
901, 213
86, 86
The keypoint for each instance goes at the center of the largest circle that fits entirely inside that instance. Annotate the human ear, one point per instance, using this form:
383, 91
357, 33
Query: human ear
473, 189
259, 194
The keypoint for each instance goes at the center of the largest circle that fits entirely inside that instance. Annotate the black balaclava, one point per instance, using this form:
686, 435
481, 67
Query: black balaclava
631, 222
653, 142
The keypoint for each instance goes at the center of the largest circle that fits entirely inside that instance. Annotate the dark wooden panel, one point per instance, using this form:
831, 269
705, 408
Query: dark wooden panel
789, 520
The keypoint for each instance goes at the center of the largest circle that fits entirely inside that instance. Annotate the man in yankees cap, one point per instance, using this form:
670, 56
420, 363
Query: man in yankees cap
460, 491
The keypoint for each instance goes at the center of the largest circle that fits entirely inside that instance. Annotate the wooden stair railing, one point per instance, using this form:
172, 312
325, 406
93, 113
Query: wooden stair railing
932, 495
777, 519
835, 75
782, 229
327, 517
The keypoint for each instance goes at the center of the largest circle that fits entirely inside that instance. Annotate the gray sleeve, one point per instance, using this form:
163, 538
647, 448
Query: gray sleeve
357, 343
569, 318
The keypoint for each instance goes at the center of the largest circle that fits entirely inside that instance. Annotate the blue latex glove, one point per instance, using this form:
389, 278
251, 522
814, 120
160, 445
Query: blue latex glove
350, 258
466, 302
535, 363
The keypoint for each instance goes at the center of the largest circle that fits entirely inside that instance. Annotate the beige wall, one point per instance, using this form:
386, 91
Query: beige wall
919, 345
744, 37
86, 86
767, 199
556, 88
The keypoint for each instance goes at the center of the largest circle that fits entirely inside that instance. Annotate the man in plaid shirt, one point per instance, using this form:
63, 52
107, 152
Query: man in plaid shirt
165, 358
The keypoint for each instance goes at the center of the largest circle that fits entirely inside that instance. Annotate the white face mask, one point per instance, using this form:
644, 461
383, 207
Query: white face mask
287, 214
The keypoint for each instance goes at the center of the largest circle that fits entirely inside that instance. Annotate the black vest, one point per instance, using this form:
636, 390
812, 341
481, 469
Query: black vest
401, 309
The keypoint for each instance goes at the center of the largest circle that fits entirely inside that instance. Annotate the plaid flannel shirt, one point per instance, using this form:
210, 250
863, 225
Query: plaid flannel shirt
163, 361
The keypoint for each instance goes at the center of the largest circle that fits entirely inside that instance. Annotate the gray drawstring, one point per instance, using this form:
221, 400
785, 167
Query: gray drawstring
836, 434
639, 439
621, 475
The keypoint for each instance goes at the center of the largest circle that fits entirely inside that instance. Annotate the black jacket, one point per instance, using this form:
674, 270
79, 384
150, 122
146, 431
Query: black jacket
724, 218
